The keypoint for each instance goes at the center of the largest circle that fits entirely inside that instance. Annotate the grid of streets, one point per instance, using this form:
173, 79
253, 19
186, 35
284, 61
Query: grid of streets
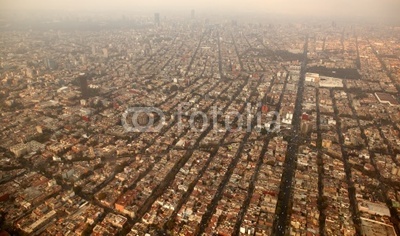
331, 166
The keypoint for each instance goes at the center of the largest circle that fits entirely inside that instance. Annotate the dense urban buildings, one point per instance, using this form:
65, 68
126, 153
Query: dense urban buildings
316, 150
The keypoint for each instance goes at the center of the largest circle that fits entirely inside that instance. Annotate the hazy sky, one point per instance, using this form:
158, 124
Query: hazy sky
370, 8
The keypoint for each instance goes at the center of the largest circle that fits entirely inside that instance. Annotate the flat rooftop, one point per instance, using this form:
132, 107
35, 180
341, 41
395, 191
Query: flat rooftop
374, 228
387, 98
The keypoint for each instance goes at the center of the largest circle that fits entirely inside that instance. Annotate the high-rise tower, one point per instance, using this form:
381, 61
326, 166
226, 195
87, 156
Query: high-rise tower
84, 85
192, 14
157, 19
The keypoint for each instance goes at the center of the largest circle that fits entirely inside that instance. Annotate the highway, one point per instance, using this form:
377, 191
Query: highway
283, 207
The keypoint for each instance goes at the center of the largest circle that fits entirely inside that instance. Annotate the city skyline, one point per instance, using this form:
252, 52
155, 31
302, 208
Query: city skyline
310, 8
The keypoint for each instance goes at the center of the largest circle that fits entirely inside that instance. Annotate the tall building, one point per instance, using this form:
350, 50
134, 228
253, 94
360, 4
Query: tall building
84, 85
306, 127
50, 64
105, 52
157, 19
192, 14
